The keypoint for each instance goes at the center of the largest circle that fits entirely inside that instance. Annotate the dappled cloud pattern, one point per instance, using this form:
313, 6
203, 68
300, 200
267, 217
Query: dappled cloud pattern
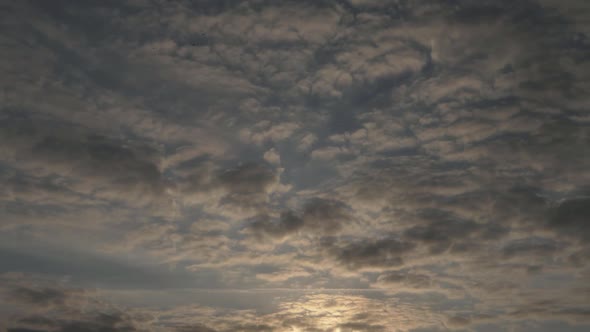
321, 166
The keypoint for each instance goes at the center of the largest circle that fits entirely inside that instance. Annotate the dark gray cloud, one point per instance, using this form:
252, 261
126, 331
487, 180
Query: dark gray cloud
288, 223
571, 217
379, 253
247, 185
530, 247
101, 322
247, 179
108, 322
51, 307
39, 297
458, 321
318, 216
361, 327
411, 280
87, 162
441, 232
243, 190
195, 329
325, 216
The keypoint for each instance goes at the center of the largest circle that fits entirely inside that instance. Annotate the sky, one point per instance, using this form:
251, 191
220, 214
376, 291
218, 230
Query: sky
294, 166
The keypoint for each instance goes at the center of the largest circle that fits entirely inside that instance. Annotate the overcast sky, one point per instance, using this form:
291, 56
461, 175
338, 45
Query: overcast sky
294, 166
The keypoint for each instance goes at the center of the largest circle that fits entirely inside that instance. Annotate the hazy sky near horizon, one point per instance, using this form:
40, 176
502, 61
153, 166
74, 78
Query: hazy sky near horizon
291, 166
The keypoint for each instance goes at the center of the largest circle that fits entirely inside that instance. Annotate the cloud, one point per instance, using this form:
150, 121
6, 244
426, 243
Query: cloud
272, 157
429, 157
458, 321
46, 306
245, 189
196, 329
111, 322
571, 217
440, 234
325, 216
288, 223
369, 253
38, 297
530, 247
318, 216
86, 267
247, 178
265, 132
246, 185
88, 162
361, 327
410, 280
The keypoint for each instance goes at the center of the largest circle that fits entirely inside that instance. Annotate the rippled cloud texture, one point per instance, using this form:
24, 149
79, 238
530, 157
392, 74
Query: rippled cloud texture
321, 166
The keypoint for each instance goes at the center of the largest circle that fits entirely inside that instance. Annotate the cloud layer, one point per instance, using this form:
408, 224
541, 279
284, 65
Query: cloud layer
351, 165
